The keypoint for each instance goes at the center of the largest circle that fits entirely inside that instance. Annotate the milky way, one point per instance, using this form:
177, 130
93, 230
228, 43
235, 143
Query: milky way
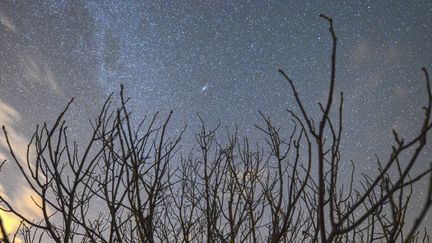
218, 59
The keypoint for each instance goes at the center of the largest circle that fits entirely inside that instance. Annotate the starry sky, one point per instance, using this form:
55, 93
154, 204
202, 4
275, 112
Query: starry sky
218, 59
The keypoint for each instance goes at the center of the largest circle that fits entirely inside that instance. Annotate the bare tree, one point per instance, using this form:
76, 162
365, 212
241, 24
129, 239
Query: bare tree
129, 183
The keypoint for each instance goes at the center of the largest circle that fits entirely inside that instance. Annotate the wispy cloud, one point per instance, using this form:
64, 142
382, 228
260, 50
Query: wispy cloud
23, 198
7, 23
9, 118
34, 71
10, 222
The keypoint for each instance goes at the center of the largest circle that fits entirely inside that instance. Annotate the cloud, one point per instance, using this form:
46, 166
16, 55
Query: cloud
9, 118
34, 67
28, 202
34, 71
10, 221
23, 202
7, 23
8, 115
23, 198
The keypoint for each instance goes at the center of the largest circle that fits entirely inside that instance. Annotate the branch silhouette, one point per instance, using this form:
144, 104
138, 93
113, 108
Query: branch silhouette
134, 182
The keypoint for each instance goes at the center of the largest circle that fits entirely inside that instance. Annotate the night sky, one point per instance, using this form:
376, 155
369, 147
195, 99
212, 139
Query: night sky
218, 59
